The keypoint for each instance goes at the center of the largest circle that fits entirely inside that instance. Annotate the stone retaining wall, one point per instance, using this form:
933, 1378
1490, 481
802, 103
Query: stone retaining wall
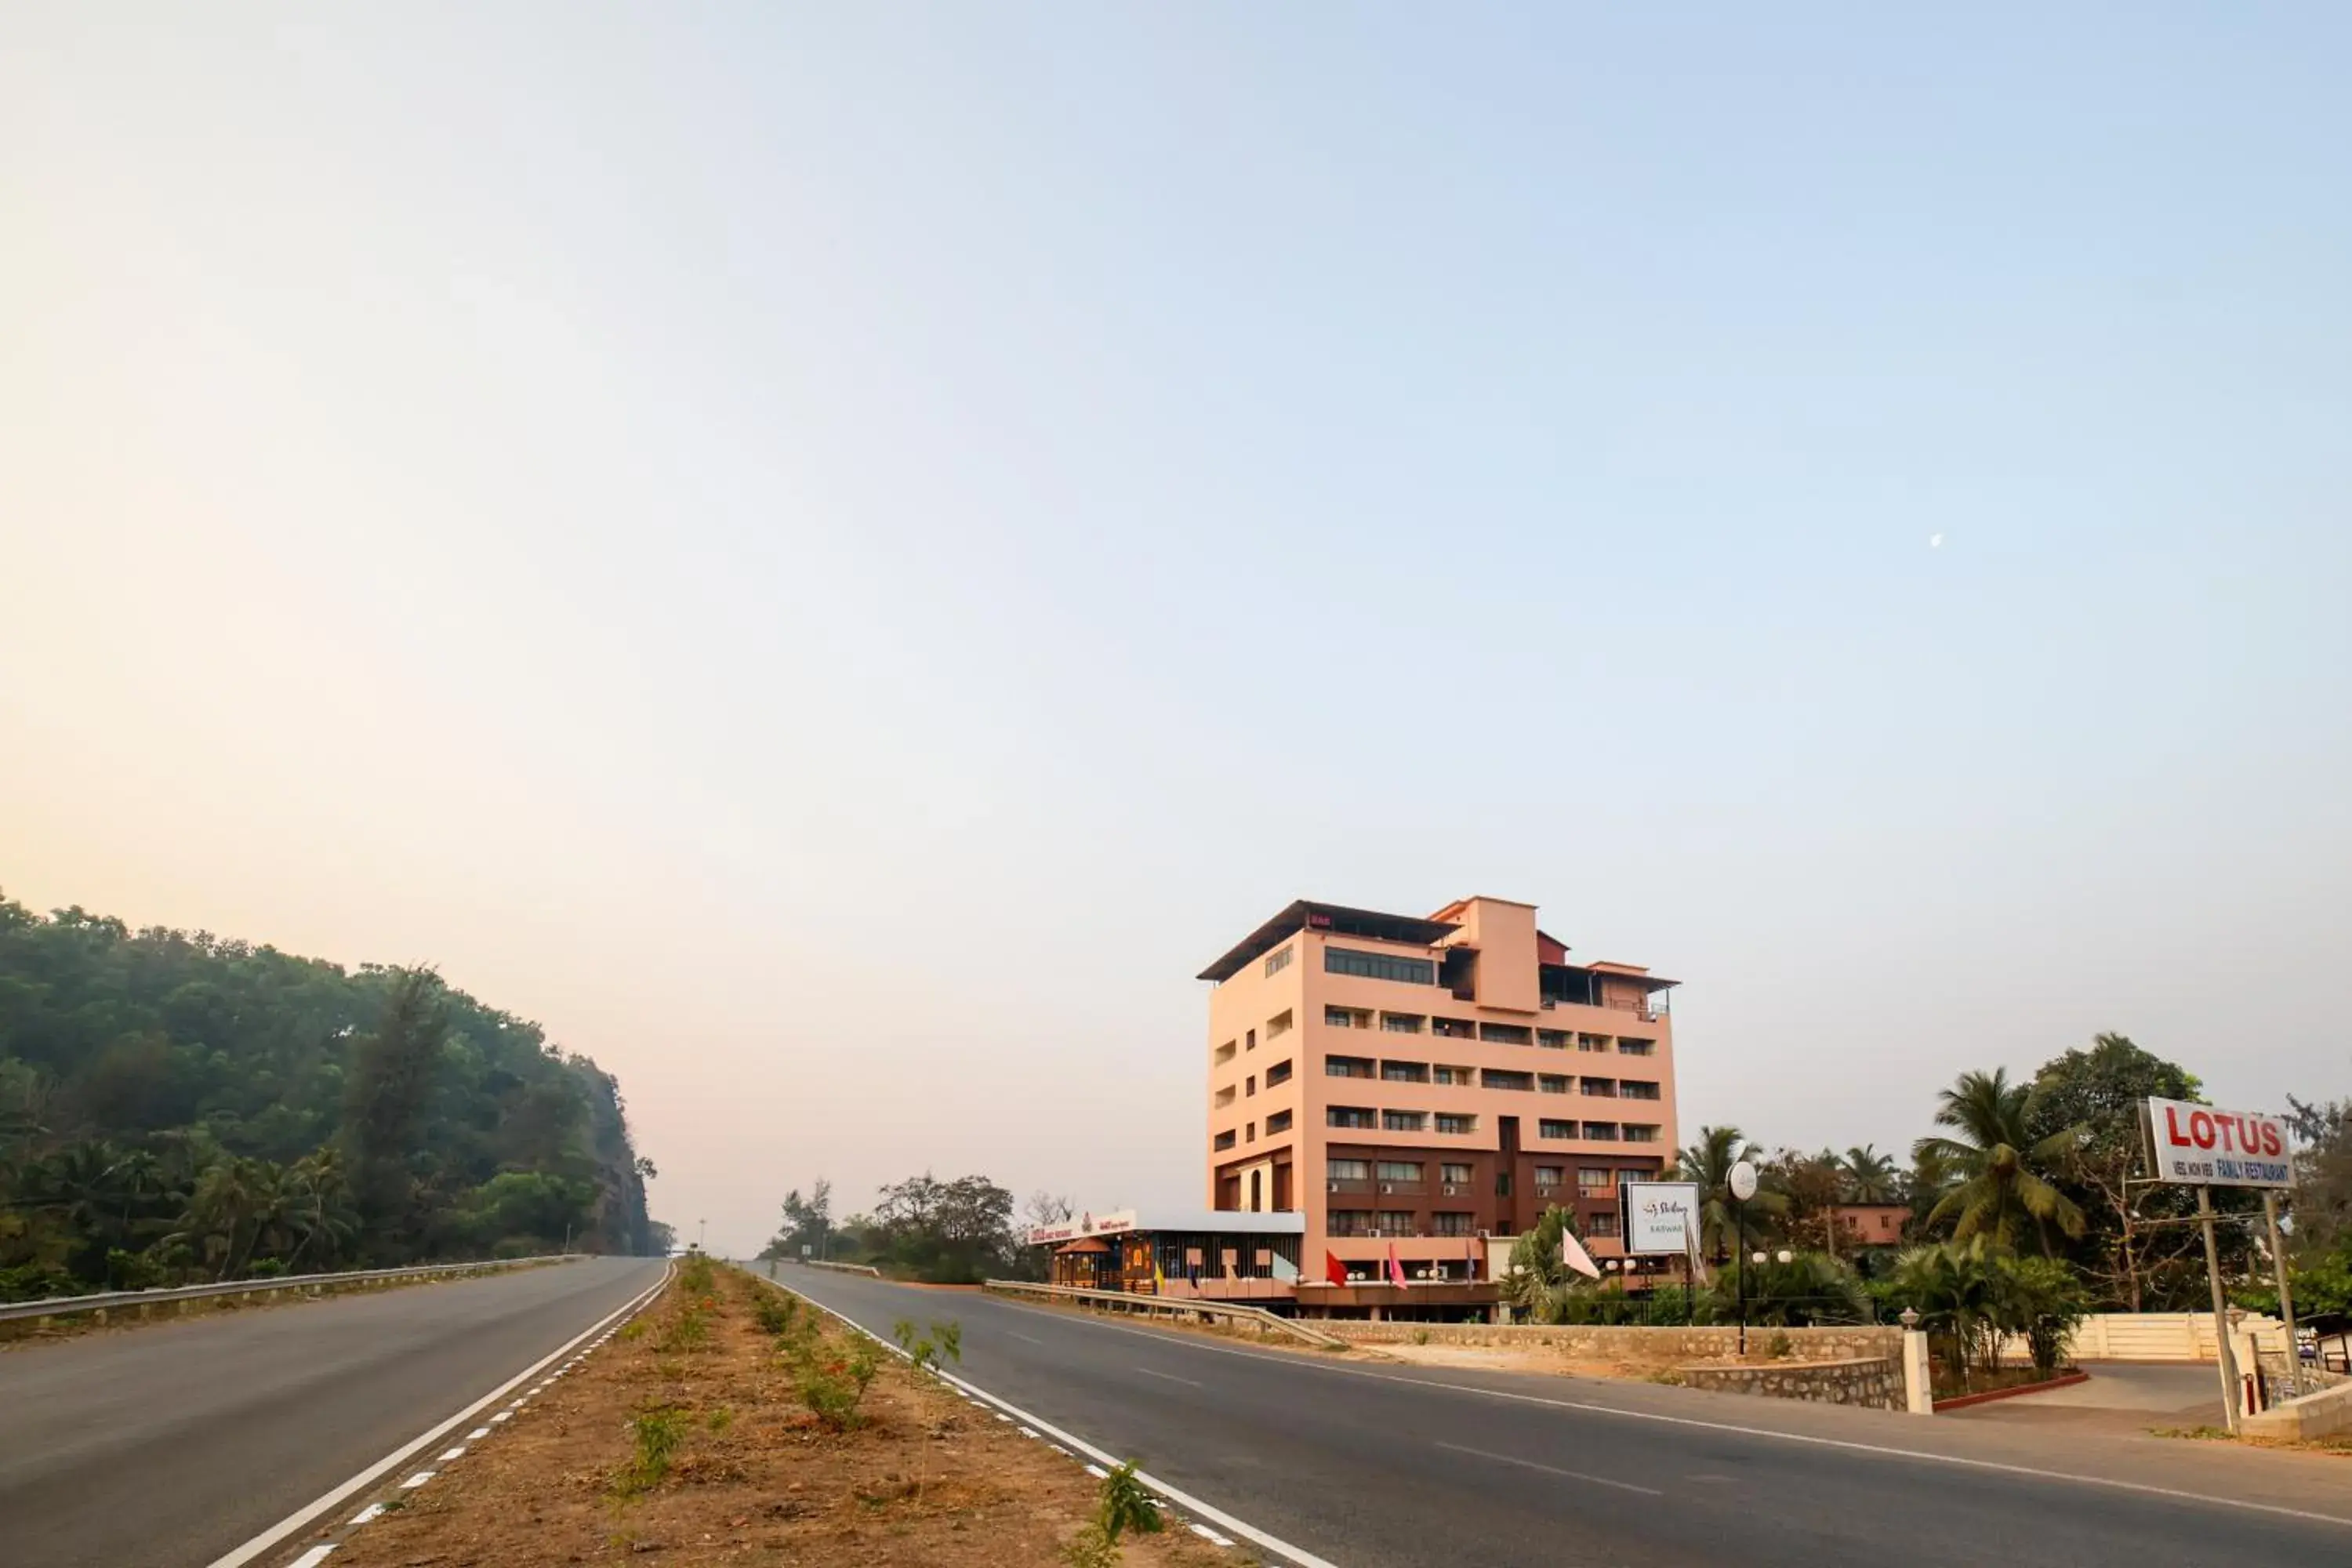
1875, 1382
1634, 1346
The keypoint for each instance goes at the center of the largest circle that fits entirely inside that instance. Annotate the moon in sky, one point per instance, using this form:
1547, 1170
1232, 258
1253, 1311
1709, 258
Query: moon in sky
1935, 542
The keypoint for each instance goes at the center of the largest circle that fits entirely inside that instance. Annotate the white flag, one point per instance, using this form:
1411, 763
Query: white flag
1573, 1253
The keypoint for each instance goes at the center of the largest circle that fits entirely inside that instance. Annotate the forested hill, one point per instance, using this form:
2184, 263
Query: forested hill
177, 1106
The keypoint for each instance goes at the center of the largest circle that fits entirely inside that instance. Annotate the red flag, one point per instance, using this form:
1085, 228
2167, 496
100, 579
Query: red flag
1333, 1269
1396, 1269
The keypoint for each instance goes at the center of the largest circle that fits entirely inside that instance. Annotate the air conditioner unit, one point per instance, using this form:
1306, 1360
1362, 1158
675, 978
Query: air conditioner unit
1386, 1187
1331, 1186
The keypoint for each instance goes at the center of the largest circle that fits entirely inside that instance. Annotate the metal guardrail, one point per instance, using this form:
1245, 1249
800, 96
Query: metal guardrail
1175, 1306
115, 1301
866, 1268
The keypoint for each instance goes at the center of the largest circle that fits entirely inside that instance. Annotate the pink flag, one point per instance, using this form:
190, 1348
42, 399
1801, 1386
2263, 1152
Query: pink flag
1573, 1253
1396, 1269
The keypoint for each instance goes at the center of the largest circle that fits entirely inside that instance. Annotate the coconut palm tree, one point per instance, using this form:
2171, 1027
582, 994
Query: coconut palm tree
1999, 1193
1707, 1164
1870, 1176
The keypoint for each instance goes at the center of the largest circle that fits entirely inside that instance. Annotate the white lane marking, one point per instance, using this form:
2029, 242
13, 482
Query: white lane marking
1205, 1533
457, 1453
477, 1433
1849, 1444
1039, 1343
312, 1558
372, 1510
1099, 1472
1001, 1416
1028, 1431
368, 1477
418, 1480
1553, 1469
1168, 1376
1299, 1555
503, 1416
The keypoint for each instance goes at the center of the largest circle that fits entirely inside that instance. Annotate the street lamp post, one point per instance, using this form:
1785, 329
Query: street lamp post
1742, 1183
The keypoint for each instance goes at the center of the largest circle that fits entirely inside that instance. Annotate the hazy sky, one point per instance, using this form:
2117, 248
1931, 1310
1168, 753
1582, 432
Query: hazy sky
836, 555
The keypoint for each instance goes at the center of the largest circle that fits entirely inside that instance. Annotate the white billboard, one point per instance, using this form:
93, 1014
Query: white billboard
2197, 1146
1087, 1224
1660, 1216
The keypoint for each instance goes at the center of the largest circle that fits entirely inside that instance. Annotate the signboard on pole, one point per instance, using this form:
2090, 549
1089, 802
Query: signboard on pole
2197, 1146
1659, 1216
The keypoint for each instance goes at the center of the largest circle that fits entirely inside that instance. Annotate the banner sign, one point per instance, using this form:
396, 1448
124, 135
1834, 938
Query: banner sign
2197, 1146
1085, 1225
1660, 1216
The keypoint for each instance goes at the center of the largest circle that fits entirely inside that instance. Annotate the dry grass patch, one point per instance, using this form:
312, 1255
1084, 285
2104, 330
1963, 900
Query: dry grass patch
720, 1427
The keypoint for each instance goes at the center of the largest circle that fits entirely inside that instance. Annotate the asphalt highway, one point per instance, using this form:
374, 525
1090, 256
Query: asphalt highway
1388, 1465
173, 1443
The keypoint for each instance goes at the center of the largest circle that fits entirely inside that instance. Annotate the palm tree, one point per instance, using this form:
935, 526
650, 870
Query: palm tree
320, 1208
1998, 1192
1870, 1176
1708, 1163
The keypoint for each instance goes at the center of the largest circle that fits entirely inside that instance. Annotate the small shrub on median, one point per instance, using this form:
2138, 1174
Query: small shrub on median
657, 1432
775, 1311
924, 1350
833, 1385
695, 1274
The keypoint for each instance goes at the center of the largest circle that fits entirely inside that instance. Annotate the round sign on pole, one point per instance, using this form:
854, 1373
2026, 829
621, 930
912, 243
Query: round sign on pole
1743, 1181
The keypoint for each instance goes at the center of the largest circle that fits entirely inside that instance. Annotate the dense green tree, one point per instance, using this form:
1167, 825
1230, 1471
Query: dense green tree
175, 1104
2003, 1191
1708, 1164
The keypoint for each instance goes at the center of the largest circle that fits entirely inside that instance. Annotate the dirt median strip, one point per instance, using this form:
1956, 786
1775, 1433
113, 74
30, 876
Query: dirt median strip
703, 1433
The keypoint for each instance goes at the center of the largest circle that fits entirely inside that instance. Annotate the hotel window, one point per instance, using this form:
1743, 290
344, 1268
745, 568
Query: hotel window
1402, 1022
1601, 1088
1249, 1090
1638, 1048
1278, 1123
1249, 1132
1505, 1034
1591, 1183
1405, 1072
1226, 1139
1349, 1221
1555, 1129
1356, 1116
1279, 1073
1279, 1024
1404, 1121
1394, 1171
1634, 1089
1454, 1173
1552, 1040
1278, 960
1445, 1223
1225, 1094
1456, 1125
1454, 1028
1338, 1017
1443, 1074
1349, 1170
1347, 1066
1602, 1224
1249, 1037
1553, 1082
1492, 1079
1225, 1051
1547, 1176
1397, 1222
1592, 1043
1623, 1176
1640, 1132
1378, 966
1601, 1131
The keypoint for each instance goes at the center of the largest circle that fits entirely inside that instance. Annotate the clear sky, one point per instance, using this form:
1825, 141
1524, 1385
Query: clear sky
836, 555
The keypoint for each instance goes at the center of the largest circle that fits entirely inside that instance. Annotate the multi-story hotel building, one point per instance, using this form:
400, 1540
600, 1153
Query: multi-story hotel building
1426, 1084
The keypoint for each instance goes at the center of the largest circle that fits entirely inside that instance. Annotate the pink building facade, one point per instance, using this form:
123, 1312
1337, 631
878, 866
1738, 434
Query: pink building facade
1415, 1087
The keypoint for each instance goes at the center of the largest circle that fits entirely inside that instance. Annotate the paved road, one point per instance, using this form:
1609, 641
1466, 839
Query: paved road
1391, 1466
172, 1444
2125, 1397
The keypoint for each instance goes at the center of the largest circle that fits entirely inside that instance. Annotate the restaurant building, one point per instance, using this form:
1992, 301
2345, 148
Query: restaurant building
1419, 1090
1210, 1256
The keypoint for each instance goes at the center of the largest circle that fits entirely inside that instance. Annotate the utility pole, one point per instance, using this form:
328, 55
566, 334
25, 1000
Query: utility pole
702, 1233
2225, 1358
2286, 1297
